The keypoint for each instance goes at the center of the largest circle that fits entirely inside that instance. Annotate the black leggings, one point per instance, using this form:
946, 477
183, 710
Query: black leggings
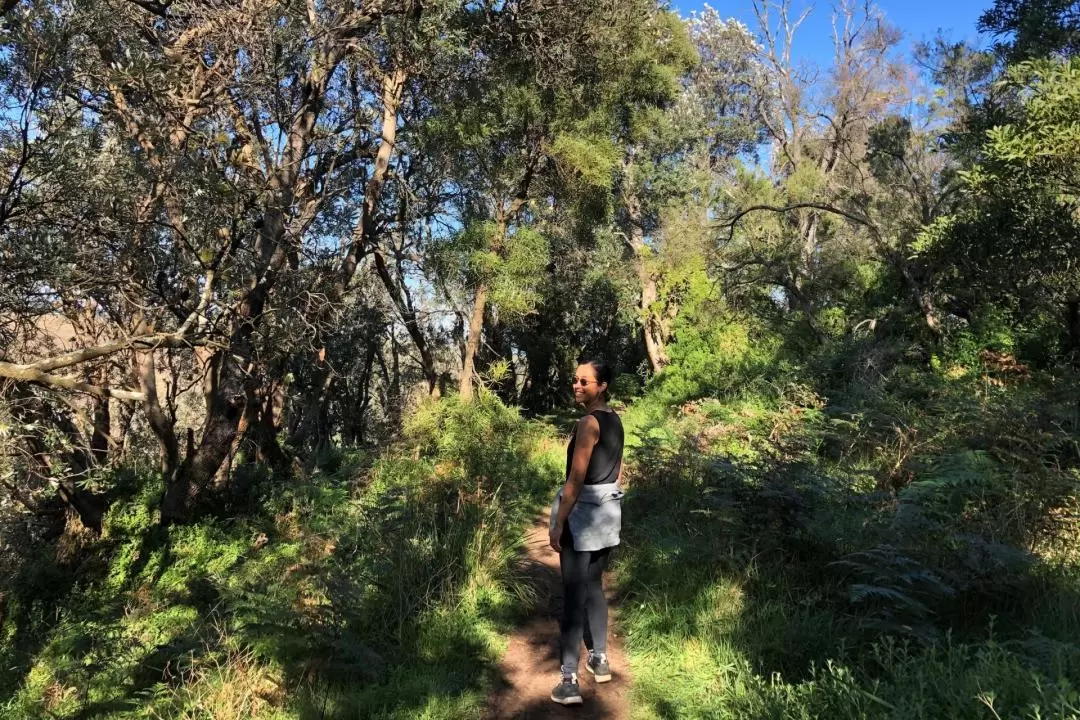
584, 605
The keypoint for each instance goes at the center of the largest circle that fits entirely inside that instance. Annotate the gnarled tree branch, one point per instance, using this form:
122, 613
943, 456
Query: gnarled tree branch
732, 221
75, 357
26, 373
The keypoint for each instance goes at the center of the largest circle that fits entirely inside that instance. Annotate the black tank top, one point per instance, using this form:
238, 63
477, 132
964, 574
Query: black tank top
606, 457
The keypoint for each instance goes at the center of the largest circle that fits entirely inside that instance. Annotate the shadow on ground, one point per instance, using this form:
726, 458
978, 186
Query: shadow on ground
767, 575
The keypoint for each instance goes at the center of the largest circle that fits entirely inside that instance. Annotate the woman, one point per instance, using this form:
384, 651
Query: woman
586, 519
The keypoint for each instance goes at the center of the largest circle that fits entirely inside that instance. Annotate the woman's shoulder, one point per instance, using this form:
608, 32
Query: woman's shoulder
588, 420
610, 418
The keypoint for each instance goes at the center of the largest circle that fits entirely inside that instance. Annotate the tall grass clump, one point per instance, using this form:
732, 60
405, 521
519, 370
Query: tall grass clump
446, 512
374, 586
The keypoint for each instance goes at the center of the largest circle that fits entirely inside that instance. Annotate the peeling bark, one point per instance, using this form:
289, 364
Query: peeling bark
476, 327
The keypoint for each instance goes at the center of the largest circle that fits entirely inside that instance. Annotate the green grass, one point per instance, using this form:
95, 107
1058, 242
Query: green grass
796, 560
378, 588
900, 550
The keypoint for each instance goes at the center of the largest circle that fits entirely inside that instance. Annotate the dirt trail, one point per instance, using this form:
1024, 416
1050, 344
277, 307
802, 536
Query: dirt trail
530, 667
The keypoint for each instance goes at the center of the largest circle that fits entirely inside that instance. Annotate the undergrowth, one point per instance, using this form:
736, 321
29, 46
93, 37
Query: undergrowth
374, 587
822, 548
864, 538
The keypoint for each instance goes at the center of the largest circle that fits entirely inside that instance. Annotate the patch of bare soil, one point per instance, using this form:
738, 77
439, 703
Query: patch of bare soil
530, 668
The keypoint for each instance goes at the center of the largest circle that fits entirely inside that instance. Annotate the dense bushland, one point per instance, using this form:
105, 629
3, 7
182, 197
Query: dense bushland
797, 544
897, 544
291, 295
370, 586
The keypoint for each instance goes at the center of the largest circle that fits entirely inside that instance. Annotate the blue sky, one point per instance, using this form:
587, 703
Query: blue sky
919, 19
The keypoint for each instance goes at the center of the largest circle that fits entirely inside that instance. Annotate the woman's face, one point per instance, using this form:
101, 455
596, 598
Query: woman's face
586, 387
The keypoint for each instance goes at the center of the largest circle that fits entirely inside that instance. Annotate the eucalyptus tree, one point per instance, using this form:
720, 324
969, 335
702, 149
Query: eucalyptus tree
857, 170
546, 123
653, 140
211, 143
679, 156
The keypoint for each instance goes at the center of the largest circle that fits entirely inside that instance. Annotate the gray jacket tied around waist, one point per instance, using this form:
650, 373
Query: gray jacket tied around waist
596, 518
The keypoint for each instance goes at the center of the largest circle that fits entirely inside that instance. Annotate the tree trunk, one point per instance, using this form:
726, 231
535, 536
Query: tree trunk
499, 349
160, 424
264, 424
388, 383
365, 236
1072, 326
395, 355
122, 416
924, 300
651, 327
226, 388
353, 422
476, 327
929, 312
536, 391
89, 507
408, 316
313, 423
808, 226
225, 402
322, 413
101, 422
101, 437
505, 215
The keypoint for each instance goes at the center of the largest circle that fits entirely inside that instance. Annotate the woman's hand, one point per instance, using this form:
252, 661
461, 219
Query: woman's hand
555, 537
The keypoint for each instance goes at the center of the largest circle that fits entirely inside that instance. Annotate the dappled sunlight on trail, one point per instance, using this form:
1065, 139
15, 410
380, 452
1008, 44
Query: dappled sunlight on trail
530, 666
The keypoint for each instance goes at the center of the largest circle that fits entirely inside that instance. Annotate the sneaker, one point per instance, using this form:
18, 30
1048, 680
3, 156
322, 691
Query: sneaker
597, 664
567, 692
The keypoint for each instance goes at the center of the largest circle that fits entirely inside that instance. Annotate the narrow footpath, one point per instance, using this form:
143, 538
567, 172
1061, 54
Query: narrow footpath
530, 667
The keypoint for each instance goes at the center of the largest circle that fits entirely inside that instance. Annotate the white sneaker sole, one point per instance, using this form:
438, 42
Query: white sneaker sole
598, 678
568, 701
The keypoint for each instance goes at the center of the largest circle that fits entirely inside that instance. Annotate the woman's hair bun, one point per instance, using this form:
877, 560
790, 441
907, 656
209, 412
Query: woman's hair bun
604, 372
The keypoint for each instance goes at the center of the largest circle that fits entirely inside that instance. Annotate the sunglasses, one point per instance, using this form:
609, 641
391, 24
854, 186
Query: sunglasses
582, 381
